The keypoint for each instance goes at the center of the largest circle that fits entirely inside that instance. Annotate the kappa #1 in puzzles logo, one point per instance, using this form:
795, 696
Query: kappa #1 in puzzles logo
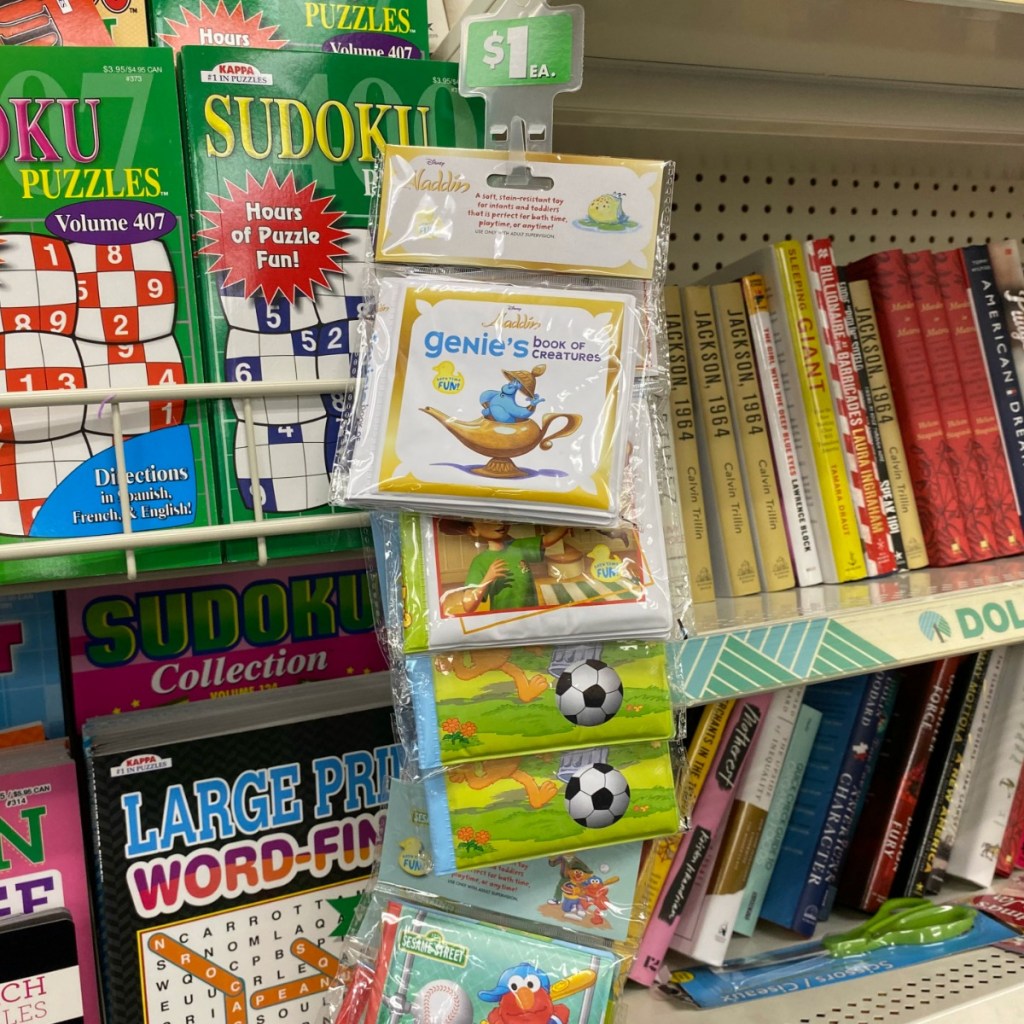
236, 73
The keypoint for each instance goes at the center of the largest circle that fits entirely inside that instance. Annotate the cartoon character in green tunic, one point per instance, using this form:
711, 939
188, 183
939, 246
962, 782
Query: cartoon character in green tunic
500, 573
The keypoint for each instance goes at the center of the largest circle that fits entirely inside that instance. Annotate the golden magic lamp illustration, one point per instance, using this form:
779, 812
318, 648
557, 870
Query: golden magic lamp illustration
502, 439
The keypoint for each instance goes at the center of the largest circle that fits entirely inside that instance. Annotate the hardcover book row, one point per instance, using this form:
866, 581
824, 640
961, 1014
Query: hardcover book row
835, 423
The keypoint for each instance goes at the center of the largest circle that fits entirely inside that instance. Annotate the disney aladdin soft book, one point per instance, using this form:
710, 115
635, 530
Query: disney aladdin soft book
476, 704
540, 805
477, 582
509, 398
433, 966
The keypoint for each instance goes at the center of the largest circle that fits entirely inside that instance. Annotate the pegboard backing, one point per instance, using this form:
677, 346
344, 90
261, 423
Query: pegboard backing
736, 193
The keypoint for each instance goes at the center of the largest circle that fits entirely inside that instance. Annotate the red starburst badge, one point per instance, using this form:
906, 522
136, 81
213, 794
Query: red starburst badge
270, 237
221, 27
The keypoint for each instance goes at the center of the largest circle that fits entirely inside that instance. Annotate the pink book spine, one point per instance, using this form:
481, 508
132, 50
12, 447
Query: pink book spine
697, 845
48, 864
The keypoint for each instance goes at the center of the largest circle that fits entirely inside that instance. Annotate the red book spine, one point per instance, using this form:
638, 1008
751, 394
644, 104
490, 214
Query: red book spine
988, 437
917, 407
878, 843
851, 412
956, 420
1014, 834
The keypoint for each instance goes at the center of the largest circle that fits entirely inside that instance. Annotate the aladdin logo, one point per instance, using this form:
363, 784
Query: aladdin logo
236, 73
433, 946
139, 763
507, 322
439, 181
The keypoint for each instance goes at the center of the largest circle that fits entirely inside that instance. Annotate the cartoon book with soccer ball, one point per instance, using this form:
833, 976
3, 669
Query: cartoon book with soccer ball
540, 805
477, 704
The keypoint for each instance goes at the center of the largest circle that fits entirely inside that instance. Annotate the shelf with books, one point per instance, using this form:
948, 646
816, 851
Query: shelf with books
741, 645
914, 995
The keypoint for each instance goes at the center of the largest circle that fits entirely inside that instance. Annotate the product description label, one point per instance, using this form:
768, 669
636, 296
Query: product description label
585, 215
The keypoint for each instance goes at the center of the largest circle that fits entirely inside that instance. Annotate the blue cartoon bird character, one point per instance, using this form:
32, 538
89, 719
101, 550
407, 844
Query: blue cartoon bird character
503, 407
523, 995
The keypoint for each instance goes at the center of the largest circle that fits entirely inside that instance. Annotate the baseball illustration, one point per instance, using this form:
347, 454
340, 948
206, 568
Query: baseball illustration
442, 1002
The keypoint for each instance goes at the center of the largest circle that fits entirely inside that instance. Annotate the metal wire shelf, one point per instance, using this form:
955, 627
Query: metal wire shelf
129, 541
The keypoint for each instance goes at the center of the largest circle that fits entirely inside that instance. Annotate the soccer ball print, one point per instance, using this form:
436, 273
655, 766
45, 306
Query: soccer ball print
36, 361
589, 693
597, 796
126, 293
38, 291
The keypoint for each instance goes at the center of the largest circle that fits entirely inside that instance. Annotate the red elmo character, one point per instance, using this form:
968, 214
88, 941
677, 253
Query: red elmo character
523, 995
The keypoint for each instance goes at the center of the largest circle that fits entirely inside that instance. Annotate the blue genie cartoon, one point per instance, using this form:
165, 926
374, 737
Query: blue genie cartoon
502, 406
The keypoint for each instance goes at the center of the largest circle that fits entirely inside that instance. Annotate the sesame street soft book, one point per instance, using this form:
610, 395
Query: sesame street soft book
501, 701
433, 966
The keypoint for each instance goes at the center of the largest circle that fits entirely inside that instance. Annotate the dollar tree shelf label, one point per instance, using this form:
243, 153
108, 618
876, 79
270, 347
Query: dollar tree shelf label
522, 51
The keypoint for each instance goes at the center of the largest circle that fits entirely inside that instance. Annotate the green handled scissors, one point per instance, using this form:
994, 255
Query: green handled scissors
903, 921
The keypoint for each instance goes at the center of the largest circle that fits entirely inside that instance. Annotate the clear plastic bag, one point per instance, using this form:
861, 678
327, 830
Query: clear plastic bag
509, 397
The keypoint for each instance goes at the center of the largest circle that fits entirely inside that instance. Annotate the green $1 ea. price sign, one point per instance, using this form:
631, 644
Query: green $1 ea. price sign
519, 52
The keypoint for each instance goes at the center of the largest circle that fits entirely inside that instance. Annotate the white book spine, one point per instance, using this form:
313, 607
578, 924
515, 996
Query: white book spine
986, 812
721, 906
972, 748
802, 542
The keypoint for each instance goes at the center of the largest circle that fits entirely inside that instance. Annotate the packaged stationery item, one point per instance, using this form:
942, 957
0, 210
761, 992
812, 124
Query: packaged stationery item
589, 893
537, 805
472, 705
481, 583
908, 932
526, 367
432, 966
503, 398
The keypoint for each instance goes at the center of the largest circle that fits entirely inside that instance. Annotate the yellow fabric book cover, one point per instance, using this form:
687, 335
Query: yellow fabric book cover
732, 544
888, 425
684, 439
837, 501
763, 504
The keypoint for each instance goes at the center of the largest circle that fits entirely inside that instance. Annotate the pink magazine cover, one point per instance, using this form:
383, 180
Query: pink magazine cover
147, 645
689, 872
42, 855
